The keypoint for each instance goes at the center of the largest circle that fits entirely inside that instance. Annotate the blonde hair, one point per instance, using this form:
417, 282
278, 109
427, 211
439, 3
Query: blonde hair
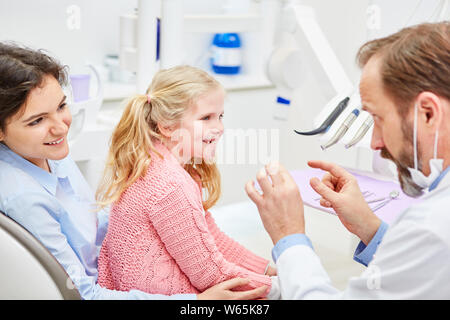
172, 92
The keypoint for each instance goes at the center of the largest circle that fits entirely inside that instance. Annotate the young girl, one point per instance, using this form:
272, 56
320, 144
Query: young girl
161, 237
41, 187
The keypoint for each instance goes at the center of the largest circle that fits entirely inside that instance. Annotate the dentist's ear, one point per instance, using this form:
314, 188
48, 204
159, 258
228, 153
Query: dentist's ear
431, 109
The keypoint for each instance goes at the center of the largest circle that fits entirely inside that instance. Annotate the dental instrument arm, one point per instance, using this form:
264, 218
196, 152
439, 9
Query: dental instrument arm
342, 129
361, 132
328, 121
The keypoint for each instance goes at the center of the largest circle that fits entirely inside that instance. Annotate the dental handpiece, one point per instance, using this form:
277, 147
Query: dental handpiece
329, 120
361, 132
342, 129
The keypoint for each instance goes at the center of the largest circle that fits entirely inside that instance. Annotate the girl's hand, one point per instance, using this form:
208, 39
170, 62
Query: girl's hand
223, 291
271, 271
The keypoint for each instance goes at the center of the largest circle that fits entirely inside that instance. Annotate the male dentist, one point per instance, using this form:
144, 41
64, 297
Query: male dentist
405, 86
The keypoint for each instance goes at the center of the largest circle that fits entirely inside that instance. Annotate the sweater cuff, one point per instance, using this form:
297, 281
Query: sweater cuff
255, 263
258, 280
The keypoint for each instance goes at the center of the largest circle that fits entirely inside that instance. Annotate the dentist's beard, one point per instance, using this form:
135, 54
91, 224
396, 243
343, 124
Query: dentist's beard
409, 187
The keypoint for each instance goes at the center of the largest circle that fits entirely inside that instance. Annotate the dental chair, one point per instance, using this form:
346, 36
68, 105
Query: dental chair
27, 269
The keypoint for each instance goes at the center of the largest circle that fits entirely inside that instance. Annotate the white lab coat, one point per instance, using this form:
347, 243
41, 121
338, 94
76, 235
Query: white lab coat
411, 262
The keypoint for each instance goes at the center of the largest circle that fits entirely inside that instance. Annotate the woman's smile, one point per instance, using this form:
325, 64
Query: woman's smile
55, 143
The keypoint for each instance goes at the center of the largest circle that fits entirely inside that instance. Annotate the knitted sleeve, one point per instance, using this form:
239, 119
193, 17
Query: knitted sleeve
234, 251
179, 221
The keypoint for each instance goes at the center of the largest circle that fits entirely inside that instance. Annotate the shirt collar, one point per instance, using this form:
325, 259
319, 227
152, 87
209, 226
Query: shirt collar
436, 182
48, 180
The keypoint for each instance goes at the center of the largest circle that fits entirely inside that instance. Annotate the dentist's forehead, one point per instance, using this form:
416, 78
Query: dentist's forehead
371, 86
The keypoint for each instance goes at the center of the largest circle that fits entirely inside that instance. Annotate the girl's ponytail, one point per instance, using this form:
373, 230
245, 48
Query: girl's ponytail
128, 156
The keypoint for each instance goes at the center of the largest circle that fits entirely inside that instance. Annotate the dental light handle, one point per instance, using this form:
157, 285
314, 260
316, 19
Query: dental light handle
329, 120
342, 129
361, 132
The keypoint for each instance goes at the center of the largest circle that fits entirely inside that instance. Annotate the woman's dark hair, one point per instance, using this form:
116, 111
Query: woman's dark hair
21, 70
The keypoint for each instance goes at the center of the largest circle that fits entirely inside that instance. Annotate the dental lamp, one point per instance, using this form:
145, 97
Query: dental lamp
301, 40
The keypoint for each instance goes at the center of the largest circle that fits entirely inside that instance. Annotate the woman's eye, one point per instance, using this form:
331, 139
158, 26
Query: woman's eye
205, 118
35, 122
62, 106
221, 116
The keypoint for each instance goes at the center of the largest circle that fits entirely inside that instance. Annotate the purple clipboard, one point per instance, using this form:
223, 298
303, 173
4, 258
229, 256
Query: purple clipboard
378, 188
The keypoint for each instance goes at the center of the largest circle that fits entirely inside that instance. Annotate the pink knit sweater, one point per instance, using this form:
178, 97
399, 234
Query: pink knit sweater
160, 240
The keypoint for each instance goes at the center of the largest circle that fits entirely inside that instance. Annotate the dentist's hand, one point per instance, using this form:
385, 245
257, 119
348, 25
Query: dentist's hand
340, 191
280, 206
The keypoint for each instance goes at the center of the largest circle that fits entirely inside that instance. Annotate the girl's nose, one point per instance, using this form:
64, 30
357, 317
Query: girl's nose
217, 131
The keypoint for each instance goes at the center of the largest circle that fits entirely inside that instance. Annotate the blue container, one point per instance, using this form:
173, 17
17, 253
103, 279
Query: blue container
227, 54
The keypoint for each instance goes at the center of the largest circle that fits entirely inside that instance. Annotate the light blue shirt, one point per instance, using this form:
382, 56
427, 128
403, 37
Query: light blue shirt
289, 241
363, 253
57, 208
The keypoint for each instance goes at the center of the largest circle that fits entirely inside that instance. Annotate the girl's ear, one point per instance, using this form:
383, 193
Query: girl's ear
166, 131
1, 135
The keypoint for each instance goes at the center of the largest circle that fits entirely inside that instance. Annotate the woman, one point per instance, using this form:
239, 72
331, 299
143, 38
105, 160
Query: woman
41, 187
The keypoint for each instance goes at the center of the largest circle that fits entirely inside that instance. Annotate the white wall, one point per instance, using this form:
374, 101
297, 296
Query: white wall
44, 24
395, 15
